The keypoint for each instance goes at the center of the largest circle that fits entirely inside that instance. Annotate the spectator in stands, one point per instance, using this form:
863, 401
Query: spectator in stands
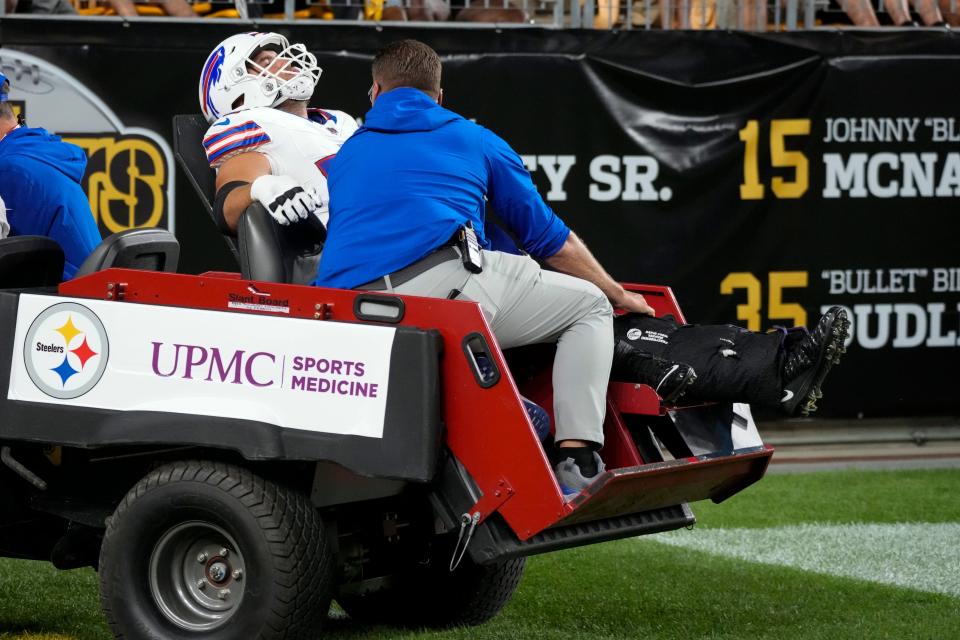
752, 15
127, 8
899, 12
173, 8
442, 10
948, 9
928, 10
861, 12
749, 15
40, 6
40, 184
421, 10
498, 11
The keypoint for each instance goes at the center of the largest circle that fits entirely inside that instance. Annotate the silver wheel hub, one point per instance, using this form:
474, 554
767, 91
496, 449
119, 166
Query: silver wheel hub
218, 572
194, 573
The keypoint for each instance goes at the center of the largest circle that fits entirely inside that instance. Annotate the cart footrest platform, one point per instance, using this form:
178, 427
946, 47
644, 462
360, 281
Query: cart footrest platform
651, 486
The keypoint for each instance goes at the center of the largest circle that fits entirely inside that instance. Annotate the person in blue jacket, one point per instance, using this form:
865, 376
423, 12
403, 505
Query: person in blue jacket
40, 186
403, 190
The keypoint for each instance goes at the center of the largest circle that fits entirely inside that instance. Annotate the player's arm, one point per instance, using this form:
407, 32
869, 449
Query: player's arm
245, 178
234, 180
540, 231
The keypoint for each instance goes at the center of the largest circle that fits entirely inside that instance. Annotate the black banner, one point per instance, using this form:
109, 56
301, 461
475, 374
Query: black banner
764, 177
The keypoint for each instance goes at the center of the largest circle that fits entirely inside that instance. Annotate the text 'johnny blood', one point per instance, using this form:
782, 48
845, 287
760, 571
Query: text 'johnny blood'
261, 369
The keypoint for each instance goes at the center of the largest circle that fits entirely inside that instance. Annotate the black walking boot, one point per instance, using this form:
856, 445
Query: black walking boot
669, 379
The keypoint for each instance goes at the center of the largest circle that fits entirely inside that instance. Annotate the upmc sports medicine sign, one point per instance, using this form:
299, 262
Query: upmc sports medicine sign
300, 374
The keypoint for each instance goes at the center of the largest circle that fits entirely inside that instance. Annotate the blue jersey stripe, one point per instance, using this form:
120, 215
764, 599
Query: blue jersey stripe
249, 126
255, 141
321, 116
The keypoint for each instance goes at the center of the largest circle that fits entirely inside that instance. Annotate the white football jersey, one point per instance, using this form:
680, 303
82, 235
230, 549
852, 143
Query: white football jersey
296, 147
4, 227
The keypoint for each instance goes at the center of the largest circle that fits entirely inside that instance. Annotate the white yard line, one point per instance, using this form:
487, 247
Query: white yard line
920, 556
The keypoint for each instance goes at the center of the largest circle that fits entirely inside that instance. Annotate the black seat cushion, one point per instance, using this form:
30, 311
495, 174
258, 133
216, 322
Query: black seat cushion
146, 249
30, 261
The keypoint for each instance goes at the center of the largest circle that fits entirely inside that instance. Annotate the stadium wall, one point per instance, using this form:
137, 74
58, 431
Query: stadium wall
765, 177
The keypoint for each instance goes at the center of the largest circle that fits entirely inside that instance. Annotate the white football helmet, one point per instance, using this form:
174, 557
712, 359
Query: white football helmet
231, 81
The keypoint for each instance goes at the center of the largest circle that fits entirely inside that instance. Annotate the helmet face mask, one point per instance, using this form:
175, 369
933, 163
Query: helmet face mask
296, 77
232, 80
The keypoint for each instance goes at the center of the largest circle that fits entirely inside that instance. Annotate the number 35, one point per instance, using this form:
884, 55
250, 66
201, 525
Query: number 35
777, 309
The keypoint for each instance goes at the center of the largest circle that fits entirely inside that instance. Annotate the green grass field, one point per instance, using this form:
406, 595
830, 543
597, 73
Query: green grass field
896, 533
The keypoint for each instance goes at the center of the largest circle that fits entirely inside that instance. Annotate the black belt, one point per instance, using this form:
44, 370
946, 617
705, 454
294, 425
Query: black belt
397, 278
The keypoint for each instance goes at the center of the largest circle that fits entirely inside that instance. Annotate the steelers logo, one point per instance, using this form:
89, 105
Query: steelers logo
66, 351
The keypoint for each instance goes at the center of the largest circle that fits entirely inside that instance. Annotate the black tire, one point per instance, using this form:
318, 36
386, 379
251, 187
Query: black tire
282, 590
431, 596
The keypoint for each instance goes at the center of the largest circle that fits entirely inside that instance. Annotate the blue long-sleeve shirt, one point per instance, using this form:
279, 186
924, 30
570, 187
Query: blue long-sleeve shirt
40, 185
410, 177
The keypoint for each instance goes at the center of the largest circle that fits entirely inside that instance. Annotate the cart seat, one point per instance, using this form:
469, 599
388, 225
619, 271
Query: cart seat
30, 261
145, 249
271, 253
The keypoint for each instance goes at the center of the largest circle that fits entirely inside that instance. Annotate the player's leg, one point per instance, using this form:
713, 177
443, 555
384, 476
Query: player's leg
782, 369
526, 305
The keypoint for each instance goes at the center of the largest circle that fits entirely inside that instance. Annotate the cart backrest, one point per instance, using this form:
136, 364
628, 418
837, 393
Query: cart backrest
145, 249
30, 261
271, 253
188, 132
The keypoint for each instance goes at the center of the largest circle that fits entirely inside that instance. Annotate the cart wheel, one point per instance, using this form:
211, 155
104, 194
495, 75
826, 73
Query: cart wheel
209, 551
433, 596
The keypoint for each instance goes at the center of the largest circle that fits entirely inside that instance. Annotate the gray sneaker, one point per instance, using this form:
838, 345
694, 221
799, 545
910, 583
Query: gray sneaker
572, 480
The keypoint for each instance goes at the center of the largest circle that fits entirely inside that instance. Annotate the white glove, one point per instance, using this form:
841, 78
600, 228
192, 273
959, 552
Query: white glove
285, 200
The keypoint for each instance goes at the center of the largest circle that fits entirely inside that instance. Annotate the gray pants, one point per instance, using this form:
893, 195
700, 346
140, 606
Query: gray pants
526, 305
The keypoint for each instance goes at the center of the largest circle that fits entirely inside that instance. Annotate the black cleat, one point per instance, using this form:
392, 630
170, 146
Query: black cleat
669, 379
808, 361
